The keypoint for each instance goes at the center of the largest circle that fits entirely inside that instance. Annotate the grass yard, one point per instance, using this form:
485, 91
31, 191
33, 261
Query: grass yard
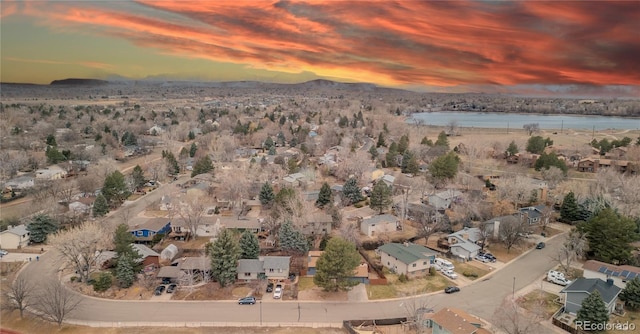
414, 286
630, 317
539, 301
500, 251
305, 283
471, 271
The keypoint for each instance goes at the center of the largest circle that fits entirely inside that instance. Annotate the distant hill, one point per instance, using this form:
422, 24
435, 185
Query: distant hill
76, 81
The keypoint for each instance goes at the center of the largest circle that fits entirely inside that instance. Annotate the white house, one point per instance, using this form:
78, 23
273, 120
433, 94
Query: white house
408, 258
379, 224
15, 237
52, 172
464, 242
21, 182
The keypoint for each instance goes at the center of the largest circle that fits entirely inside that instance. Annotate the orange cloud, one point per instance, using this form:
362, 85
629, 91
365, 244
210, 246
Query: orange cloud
442, 43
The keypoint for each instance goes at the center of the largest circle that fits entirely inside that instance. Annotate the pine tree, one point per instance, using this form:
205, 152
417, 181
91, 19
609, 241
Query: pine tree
125, 273
442, 140
512, 149
292, 240
445, 167
249, 245
40, 227
374, 152
193, 149
426, 141
336, 265
172, 163
51, 140
351, 191
224, 254
631, 294
203, 165
593, 309
115, 189
138, 177
191, 135
324, 197
609, 236
100, 206
382, 142
569, 211
390, 158
380, 197
403, 145
409, 163
266, 194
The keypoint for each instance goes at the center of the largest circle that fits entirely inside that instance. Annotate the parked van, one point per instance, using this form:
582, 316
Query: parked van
444, 264
557, 278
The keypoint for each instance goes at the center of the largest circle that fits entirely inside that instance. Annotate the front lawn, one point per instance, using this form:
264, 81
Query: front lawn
415, 286
631, 317
305, 283
540, 301
471, 271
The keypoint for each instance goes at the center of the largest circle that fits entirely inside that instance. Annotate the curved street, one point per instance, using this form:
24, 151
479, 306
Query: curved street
481, 298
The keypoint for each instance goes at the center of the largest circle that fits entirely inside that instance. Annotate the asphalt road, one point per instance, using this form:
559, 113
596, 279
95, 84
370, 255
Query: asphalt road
481, 298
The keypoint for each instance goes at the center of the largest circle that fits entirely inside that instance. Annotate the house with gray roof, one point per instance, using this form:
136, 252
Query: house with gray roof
379, 224
15, 237
410, 259
532, 214
463, 243
442, 200
582, 287
270, 267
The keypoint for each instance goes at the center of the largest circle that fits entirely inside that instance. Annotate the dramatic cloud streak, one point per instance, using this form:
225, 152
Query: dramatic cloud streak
396, 43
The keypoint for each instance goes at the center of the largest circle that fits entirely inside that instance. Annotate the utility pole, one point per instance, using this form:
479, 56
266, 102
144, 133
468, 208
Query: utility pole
260, 312
514, 289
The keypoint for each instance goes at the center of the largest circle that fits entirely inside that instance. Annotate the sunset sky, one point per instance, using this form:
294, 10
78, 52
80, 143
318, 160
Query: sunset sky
427, 45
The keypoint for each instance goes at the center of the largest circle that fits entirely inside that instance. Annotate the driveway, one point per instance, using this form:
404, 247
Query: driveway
482, 298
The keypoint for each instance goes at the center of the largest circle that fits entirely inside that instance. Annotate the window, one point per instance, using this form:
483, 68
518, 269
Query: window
271, 270
414, 265
139, 233
424, 263
247, 274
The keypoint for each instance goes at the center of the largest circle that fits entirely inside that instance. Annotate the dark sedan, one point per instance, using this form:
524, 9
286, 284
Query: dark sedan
540, 245
159, 290
451, 289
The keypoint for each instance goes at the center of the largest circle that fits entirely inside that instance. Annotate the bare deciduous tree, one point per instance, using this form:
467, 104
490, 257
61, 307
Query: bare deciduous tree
81, 246
572, 249
553, 176
511, 231
191, 211
512, 320
531, 128
546, 215
55, 302
18, 295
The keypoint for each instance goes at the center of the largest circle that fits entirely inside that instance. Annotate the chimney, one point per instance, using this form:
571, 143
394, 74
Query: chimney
609, 281
406, 244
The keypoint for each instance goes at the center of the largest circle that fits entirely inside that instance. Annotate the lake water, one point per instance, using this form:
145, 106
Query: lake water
516, 121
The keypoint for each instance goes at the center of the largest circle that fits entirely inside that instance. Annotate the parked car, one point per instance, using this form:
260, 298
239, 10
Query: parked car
488, 256
482, 258
277, 293
557, 278
292, 277
270, 287
451, 289
3, 252
172, 288
159, 290
247, 300
450, 273
166, 280
540, 245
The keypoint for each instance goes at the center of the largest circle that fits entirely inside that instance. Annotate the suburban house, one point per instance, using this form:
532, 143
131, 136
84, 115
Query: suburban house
187, 270
271, 267
410, 259
52, 172
20, 182
619, 274
15, 237
389, 180
442, 200
532, 214
154, 130
295, 180
463, 243
592, 165
379, 224
79, 207
317, 223
455, 321
145, 231
582, 287
150, 258
360, 274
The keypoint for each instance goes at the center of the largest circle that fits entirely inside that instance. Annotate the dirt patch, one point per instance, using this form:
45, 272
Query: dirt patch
209, 291
540, 302
317, 293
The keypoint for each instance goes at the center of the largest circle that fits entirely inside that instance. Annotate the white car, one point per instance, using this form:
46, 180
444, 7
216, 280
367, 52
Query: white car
277, 293
3, 252
450, 273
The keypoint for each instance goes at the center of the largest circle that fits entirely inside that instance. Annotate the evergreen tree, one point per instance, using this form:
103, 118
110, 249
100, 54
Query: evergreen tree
224, 254
445, 167
172, 164
125, 272
547, 160
272, 150
609, 236
100, 206
512, 149
203, 165
191, 135
193, 149
115, 189
351, 191
292, 240
324, 197
382, 142
249, 245
426, 141
442, 140
129, 139
103, 282
409, 163
631, 294
138, 177
374, 152
51, 141
40, 227
380, 197
403, 145
53, 155
392, 153
569, 211
536, 144
336, 265
593, 309
266, 194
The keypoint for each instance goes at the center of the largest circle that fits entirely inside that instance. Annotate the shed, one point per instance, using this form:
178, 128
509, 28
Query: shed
169, 253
